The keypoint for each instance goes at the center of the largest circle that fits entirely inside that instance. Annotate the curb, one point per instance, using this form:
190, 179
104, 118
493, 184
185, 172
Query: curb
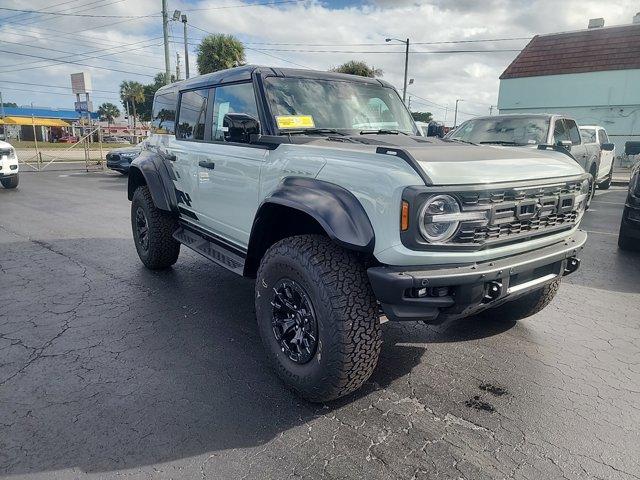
620, 183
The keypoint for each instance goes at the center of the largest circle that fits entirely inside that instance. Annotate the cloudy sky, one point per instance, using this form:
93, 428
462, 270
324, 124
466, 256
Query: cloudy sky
116, 40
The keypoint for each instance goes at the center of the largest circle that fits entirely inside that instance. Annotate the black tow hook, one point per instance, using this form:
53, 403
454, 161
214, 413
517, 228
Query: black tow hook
573, 264
493, 290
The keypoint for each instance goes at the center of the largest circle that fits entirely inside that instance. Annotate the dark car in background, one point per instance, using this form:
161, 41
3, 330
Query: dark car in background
119, 159
629, 238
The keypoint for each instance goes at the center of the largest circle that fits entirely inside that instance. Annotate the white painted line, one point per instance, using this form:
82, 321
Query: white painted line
602, 233
608, 203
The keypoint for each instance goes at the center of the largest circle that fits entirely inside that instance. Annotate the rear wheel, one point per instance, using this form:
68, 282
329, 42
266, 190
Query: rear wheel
592, 185
317, 316
153, 231
525, 306
10, 182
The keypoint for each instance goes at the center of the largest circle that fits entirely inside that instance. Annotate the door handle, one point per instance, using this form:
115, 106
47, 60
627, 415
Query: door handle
207, 164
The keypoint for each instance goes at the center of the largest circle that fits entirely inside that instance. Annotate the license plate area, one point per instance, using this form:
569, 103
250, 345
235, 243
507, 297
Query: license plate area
531, 278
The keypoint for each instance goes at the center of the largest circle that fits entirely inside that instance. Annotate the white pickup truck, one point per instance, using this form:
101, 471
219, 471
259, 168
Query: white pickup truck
594, 134
544, 131
8, 165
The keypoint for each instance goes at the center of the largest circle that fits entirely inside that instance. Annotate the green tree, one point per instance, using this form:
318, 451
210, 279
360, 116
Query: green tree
132, 93
422, 116
10, 105
108, 111
356, 67
219, 52
146, 107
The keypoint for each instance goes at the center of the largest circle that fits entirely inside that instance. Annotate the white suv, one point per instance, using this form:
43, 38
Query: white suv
8, 166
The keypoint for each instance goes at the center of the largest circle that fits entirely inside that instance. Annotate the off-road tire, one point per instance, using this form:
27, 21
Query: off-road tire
347, 316
607, 183
592, 188
627, 243
162, 250
10, 182
525, 306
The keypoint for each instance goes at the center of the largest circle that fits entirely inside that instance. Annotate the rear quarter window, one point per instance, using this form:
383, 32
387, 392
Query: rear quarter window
164, 113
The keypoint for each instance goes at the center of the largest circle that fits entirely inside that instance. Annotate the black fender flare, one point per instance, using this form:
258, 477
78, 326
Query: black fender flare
149, 168
336, 209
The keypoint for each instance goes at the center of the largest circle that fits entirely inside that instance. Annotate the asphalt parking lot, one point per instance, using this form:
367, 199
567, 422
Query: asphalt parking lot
108, 370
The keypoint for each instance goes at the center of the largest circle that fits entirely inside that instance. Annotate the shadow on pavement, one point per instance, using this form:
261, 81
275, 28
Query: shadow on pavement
120, 367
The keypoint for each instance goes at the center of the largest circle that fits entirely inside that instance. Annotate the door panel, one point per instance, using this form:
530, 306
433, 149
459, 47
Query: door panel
229, 173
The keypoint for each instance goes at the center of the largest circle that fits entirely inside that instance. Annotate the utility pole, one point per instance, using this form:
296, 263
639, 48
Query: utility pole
490, 109
1, 107
186, 47
455, 117
409, 104
165, 33
177, 67
406, 67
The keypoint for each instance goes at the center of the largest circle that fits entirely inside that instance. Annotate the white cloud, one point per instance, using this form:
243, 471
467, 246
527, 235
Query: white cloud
440, 78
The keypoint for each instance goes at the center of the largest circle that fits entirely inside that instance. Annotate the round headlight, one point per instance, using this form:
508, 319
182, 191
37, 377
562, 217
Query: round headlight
433, 228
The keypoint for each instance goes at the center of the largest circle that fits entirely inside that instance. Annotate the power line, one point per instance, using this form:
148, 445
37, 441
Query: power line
372, 44
243, 5
395, 52
82, 8
76, 63
77, 14
39, 10
74, 54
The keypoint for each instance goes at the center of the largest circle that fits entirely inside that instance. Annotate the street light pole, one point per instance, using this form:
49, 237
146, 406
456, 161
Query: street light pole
186, 47
165, 33
455, 117
406, 64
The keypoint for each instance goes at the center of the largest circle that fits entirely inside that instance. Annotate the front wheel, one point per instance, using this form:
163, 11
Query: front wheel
10, 182
153, 231
525, 306
626, 241
317, 316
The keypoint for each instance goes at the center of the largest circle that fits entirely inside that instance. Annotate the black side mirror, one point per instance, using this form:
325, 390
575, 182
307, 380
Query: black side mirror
608, 147
238, 127
565, 144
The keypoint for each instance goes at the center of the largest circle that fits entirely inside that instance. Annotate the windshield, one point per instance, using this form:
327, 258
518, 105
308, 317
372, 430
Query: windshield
506, 131
352, 107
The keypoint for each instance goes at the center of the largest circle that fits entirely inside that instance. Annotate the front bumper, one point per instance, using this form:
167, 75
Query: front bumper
8, 167
463, 290
118, 163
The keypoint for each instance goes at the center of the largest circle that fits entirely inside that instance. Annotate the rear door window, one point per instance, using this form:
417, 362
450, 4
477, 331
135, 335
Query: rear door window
192, 117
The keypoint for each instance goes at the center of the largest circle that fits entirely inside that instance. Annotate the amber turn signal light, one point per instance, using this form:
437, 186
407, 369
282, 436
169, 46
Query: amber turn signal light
404, 216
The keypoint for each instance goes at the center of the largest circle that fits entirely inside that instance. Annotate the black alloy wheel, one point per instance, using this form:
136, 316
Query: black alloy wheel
142, 229
294, 321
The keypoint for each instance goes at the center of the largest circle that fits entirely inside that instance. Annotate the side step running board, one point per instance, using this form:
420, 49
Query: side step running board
207, 248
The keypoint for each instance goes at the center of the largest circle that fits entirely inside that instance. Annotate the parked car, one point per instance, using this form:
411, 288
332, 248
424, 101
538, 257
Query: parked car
9, 176
594, 134
115, 139
544, 131
629, 237
68, 139
339, 210
119, 159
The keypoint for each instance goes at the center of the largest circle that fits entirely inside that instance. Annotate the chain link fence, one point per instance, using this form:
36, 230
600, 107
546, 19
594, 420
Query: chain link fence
87, 152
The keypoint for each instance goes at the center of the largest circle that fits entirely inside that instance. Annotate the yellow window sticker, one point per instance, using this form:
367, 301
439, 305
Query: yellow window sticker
295, 121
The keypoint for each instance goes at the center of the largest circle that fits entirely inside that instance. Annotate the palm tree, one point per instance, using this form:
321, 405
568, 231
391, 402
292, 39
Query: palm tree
356, 67
219, 52
131, 93
108, 111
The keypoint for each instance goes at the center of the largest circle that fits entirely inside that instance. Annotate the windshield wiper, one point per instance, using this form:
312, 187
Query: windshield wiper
383, 131
502, 142
309, 131
459, 141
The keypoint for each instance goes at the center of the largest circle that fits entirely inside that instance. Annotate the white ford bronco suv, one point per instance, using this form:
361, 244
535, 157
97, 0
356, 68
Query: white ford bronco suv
318, 186
9, 176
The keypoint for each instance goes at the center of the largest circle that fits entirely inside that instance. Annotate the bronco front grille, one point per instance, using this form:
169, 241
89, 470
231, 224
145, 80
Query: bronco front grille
519, 211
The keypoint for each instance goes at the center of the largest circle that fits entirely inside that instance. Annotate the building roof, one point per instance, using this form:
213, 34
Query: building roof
591, 50
40, 112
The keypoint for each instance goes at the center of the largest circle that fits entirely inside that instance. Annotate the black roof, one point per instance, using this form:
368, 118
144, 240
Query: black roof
245, 73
